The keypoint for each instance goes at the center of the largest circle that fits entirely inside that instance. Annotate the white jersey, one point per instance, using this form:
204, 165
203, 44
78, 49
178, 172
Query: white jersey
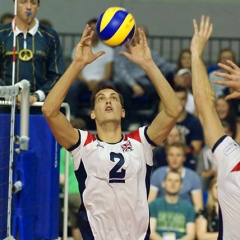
227, 154
114, 181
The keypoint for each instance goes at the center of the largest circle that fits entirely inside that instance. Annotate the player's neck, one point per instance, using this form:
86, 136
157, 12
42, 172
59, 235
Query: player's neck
25, 26
109, 133
172, 199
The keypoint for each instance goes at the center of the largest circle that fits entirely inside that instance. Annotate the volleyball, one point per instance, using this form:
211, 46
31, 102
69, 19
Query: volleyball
116, 26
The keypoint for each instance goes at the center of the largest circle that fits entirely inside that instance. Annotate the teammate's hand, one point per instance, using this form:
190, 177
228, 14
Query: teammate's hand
232, 76
201, 36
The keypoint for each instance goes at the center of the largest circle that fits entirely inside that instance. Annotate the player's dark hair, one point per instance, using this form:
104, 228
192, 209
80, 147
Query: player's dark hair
177, 145
173, 171
102, 86
93, 20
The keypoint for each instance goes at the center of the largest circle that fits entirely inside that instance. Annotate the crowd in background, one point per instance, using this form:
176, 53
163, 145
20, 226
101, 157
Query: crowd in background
183, 196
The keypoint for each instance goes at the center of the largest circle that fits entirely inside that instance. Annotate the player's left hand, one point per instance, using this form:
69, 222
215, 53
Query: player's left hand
201, 36
139, 51
83, 51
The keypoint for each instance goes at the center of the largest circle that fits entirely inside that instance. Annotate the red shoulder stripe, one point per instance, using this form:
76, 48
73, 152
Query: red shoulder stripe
236, 168
89, 139
135, 135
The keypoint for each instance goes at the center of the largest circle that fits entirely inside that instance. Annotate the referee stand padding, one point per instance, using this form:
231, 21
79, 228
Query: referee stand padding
35, 210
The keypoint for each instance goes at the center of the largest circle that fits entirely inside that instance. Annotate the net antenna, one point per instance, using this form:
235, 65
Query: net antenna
11, 92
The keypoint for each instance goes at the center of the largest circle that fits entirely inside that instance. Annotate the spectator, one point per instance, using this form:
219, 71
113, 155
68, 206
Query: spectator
159, 153
6, 18
183, 61
95, 72
170, 216
190, 128
224, 55
74, 199
133, 82
207, 222
183, 78
38, 54
226, 112
191, 190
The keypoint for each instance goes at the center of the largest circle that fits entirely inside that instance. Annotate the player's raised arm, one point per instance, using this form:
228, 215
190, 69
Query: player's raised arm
202, 90
63, 131
232, 76
165, 120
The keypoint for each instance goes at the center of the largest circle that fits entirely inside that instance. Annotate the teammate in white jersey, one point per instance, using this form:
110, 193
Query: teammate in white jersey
112, 169
225, 149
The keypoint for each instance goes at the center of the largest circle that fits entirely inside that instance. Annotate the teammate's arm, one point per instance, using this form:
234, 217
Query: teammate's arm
202, 90
63, 131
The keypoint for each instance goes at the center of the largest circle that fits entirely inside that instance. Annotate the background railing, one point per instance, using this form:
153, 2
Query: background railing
169, 47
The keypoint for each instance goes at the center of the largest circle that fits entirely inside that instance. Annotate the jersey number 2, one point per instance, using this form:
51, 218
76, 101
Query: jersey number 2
117, 174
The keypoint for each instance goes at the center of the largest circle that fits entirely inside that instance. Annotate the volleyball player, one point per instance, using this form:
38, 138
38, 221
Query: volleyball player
112, 169
225, 149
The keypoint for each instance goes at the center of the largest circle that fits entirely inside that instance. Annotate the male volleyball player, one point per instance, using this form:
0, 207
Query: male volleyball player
112, 169
225, 149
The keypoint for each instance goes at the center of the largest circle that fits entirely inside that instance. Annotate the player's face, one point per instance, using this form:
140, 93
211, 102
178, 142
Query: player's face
182, 97
107, 107
222, 108
186, 60
175, 157
174, 136
25, 6
172, 183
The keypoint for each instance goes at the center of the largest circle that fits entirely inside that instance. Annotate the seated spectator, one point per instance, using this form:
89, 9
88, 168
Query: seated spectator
224, 55
190, 128
207, 221
133, 82
98, 71
6, 18
183, 78
226, 113
191, 190
74, 199
159, 153
170, 216
183, 61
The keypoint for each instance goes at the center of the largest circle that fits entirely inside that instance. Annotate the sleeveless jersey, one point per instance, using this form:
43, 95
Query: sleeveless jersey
114, 182
227, 154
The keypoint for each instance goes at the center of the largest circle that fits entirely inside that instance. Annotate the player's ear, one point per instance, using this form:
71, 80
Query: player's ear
163, 184
123, 113
92, 115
